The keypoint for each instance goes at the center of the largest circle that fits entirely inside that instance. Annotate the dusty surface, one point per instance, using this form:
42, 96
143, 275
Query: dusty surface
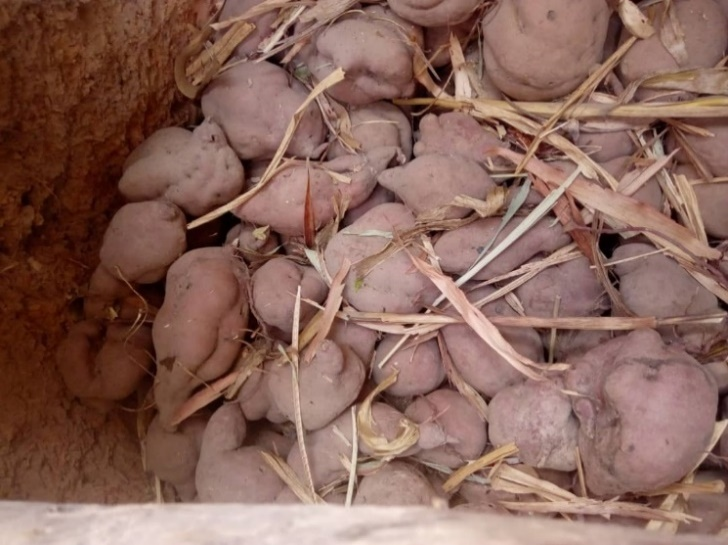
80, 84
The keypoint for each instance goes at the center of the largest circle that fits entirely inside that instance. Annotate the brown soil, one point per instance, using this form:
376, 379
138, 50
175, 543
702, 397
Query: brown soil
81, 83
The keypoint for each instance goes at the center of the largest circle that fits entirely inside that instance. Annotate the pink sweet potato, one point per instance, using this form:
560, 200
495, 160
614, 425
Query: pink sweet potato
228, 471
241, 101
198, 330
431, 182
646, 413
392, 285
274, 288
419, 366
451, 430
328, 385
142, 241
197, 173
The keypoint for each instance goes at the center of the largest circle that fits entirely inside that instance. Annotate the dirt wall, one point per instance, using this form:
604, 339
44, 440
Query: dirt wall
81, 83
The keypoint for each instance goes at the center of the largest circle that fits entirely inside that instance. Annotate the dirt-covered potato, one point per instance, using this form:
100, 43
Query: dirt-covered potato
105, 291
574, 283
537, 417
569, 36
704, 32
198, 330
455, 133
325, 446
451, 430
143, 239
419, 366
377, 125
431, 182
646, 412
712, 200
434, 13
282, 203
477, 362
392, 285
254, 102
173, 456
328, 385
263, 24
656, 285
459, 248
374, 47
396, 483
228, 471
197, 174
104, 364
273, 292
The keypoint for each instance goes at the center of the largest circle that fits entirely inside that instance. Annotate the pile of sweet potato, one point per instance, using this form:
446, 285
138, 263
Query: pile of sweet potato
273, 333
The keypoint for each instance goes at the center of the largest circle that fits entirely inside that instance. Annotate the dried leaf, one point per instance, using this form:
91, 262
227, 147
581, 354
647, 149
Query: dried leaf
634, 20
493, 457
379, 445
309, 215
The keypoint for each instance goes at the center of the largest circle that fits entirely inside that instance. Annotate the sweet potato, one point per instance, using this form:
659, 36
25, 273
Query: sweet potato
704, 31
255, 397
396, 483
228, 471
575, 285
142, 241
198, 330
723, 446
232, 9
477, 362
604, 146
437, 40
173, 456
106, 293
572, 343
419, 366
240, 100
392, 285
434, 13
378, 125
282, 203
431, 182
360, 339
459, 248
537, 417
197, 173
451, 430
568, 34
273, 292
708, 149
657, 285
455, 133
380, 195
325, 446
646, 412
711, 509
374, 47
104, 364
328, 385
